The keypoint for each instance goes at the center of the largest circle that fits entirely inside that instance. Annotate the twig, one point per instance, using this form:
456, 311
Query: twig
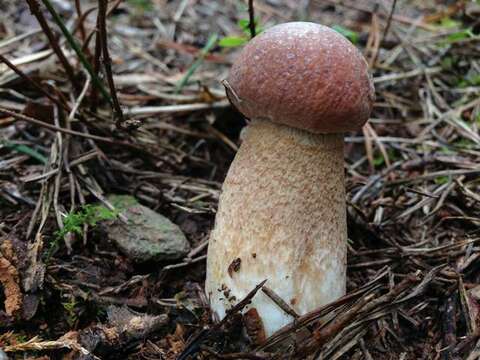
449, 327
36, 344
84, 158
306, 319
194, 344
167, 109
408, 74
389, 21
12, 40
398, 18
107, 62
323, 334
60, 149
32, 82
242, 355
98, 49
81, 56
373, 42
79, 100
239, 306
80, 17
251, 17
280, 302
56, 128
34, 8
96, 66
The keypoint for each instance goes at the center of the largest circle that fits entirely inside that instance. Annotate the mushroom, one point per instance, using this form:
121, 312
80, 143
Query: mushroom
282, 213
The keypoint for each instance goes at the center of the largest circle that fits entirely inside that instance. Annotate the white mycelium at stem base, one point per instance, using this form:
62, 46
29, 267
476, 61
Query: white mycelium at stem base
281, 214
281, 217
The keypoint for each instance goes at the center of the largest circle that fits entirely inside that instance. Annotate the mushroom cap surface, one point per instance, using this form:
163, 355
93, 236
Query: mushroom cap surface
303, 75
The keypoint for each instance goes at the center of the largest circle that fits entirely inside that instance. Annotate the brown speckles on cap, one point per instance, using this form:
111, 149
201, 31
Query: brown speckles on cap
303, 75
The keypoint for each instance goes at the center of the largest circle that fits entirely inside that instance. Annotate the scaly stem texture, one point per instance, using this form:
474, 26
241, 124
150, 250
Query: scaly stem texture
281, 217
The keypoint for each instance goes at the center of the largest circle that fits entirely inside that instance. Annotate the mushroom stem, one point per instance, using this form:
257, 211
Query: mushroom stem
281, 217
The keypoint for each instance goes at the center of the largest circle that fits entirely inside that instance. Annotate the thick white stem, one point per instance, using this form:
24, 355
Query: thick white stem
281, 217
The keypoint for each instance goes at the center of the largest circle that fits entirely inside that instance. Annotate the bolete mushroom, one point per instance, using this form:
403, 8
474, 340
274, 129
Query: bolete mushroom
282, 214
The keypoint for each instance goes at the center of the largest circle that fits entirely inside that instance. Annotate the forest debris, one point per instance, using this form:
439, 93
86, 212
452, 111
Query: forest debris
37, 344
124, 327
449, 327
173, 344
35, 272
473, 302
9, 279
30, 272
195, 342
282, 304
254, 326
132, 325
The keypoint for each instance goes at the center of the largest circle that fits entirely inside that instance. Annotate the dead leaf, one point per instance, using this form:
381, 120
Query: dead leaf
35, 272
254, 326
9, 279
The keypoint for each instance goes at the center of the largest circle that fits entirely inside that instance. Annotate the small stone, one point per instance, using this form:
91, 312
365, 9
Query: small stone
148, 236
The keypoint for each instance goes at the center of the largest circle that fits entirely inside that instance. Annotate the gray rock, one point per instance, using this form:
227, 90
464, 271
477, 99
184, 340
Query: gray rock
148, 236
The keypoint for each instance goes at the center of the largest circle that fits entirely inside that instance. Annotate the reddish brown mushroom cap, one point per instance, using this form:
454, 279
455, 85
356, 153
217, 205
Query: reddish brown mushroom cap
303, 75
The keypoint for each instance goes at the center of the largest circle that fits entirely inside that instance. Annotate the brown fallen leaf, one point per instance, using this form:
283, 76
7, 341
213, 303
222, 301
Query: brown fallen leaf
254, 326
9, 279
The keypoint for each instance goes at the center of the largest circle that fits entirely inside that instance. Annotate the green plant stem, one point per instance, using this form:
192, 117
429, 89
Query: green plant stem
25, 150
212, 40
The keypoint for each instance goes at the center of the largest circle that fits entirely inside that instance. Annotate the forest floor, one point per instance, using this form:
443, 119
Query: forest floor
67, 291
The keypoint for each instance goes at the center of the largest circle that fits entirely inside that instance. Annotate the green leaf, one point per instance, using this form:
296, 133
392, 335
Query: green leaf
26, 150
379, 160
232, 41
459, 35
447, 63
142, 5
258, 29
440, 180
449, 23
464, 144
74, 221
472, 80
244, 25
349, 34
